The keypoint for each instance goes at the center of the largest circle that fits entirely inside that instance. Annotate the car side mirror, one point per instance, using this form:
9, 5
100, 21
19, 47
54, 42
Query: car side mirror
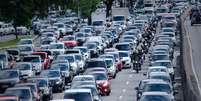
136, 88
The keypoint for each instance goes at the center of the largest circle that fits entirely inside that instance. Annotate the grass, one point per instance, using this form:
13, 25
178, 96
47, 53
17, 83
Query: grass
13, 42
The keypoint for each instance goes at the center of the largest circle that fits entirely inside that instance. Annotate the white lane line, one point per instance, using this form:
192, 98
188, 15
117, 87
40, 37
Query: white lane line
120, 97
127, 82
191, 56
130, 76
124, 90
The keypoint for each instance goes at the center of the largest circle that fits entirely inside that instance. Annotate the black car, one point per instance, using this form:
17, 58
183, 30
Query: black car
55, 78
44, 87
8, 78
65, 70
196, 18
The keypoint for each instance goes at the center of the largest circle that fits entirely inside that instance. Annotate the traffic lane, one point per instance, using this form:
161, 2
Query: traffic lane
123, 86
195, 39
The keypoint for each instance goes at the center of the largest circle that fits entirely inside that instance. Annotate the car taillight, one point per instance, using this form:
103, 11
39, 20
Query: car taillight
105, 84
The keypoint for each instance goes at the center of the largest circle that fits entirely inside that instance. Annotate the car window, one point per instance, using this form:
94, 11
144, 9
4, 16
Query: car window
78, 96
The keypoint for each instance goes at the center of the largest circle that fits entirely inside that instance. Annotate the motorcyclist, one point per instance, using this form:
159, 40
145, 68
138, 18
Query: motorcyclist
136, 61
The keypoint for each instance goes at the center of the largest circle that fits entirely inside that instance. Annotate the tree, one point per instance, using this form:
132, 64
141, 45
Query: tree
108, 4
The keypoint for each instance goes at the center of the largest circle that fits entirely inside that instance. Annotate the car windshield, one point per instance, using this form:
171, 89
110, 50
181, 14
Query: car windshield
41, 83
91, 46
3, 57
83, 79
155, 98
46, 42
23, 66
21, 93
166, 64
60, 66
47, 35
92, 64
78, 96
69, 38
157, 87
100, 76
59, 25
164, 78
98, 23
84, 50
161, 10
87, 30
169, 18
68, 58
78, 57
31, 59
125, 47
160, 57
168, 30
79, 35
109, 62
25, 48
8, 74
56, 46
50, 74
22, 42
118, 18
123, 54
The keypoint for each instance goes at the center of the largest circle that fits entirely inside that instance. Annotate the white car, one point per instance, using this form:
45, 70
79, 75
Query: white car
156, 69
112, 70
22, 30
25, 68
23, 42
57, 48
125, 58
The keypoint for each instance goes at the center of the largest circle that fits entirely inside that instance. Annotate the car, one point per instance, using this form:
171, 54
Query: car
125, 58
8, 78
160, 86
78, 94
9, 98
44, 58
168, 64
24, 93
48, 35
92, 47
123, 46
84, 78
93, 63
25, 50
141, 85
44, 87
156, 57
7, 60
112, 70
156, 69
65, 70
195, 19
25, 68
103, 82
118, 61
69, 41
26, 42
156, 96
61, 27
80, 37
34, 89
57, 48
72, 61
81, 61
35, 61
15, 53
84, 51
97, 69
161, 75
22, 30
55, 78
94, 90
45, 43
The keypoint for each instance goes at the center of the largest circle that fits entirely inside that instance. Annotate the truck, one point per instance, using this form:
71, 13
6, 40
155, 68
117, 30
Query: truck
98, 20
120, 15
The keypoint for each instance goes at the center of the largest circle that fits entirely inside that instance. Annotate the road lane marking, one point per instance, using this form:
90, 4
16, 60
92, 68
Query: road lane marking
124, 90
120, 97
127, 82
191, 53
130, 76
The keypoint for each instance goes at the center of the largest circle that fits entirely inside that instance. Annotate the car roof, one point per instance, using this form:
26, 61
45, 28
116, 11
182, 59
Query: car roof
80, 76
155, 93
163, 61
159, 74
77, 90
156, 67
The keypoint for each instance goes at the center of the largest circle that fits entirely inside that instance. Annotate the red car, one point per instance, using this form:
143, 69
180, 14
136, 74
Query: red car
70, 43
45, 58
103, 82
9, 98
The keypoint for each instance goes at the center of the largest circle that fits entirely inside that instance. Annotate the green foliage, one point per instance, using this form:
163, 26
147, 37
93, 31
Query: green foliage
21, 11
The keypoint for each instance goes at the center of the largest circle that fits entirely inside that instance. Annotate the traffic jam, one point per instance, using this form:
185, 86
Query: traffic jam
80, 60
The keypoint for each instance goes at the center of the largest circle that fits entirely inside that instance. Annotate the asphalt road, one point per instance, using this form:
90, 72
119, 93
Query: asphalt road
123, 87
193, 34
